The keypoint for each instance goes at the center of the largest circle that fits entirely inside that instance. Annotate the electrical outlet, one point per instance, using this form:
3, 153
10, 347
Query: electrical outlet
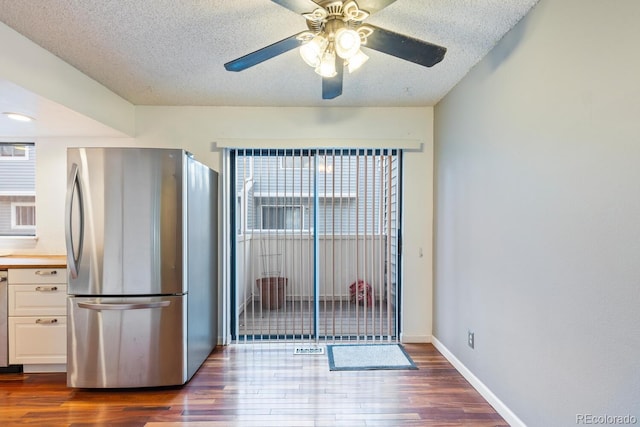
471, 339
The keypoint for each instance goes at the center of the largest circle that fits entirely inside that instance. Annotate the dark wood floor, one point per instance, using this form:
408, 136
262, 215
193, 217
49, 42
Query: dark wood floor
260, 385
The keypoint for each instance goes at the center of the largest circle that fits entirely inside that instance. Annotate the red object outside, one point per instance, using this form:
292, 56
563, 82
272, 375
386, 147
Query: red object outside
360, 292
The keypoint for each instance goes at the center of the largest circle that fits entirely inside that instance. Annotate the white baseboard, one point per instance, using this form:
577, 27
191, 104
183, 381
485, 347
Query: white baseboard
415, 339
480, 387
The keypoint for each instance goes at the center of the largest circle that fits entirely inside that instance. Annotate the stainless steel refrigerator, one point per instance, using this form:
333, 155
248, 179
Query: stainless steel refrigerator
141, 236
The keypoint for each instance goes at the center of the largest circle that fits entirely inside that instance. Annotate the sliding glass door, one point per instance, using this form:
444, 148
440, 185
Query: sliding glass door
315, 244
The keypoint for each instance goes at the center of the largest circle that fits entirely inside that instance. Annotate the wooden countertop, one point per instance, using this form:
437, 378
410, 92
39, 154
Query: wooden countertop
33, 261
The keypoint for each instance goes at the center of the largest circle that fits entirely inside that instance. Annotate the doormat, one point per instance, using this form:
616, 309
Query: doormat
362, 357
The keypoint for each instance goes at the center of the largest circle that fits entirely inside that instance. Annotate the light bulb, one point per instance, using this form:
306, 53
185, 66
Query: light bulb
357, 60
327, 67
312, 51
347, 42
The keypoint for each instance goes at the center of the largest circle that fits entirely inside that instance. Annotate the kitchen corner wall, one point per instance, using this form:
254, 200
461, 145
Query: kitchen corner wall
537, 230
195, 129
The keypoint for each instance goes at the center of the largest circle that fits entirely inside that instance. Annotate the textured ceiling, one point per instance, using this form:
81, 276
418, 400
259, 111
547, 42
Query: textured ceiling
171, 52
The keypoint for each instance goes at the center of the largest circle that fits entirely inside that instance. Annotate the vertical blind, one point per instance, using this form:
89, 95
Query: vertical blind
316, 244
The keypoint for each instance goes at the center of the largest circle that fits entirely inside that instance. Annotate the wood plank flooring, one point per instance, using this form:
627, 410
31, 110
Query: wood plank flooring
260, 385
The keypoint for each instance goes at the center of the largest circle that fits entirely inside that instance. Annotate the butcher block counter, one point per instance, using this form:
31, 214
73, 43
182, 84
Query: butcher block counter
32, 261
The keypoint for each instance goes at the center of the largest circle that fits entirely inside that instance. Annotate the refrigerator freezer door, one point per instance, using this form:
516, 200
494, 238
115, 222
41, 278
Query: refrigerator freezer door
202, 263
126, 342
124, 221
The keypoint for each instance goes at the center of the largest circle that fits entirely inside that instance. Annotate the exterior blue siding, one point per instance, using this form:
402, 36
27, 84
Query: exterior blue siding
17, 186
350, 188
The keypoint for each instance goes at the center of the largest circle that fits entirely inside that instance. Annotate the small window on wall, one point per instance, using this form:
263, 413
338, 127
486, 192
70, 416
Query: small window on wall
23, 215
298, 162
17, 189
325, 163
282, 218
14, 152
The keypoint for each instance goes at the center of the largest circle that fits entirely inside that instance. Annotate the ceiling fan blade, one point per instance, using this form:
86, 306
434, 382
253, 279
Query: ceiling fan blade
404, 47
298, 6
263, 54
332, 86
373, 6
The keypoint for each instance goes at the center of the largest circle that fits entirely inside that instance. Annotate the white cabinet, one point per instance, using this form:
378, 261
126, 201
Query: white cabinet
37, 340
37, 318
37, 300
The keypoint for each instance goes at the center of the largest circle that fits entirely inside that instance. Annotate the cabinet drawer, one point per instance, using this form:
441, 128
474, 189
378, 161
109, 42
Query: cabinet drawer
37, 275
37, 300
38, 340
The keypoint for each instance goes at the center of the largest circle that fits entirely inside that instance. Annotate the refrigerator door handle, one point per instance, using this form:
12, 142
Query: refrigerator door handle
119, 306
73, 259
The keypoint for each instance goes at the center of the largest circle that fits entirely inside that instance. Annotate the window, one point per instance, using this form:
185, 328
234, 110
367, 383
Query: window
14, 152
298, 162
23, 215
17, 189
325, 163
282, 218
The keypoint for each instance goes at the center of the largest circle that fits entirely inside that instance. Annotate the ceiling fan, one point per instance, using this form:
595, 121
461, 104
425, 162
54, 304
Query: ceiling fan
336, 32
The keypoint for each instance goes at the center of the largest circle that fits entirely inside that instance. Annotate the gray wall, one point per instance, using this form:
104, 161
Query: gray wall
537, 245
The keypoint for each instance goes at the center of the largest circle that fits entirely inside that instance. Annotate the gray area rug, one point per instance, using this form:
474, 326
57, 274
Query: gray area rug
359, 357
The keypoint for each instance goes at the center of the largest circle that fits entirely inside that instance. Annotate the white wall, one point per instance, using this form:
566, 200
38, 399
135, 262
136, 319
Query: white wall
538, 214
29, 66
196, 128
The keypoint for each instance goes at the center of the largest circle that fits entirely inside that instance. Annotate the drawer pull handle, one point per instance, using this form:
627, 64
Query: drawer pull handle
46, 321
46, 273
46, 288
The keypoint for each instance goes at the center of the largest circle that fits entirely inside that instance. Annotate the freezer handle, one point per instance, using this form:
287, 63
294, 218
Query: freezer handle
123, 306
73, 185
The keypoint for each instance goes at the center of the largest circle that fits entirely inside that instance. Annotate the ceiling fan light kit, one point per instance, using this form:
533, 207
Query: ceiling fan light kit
334, 39
332, 30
